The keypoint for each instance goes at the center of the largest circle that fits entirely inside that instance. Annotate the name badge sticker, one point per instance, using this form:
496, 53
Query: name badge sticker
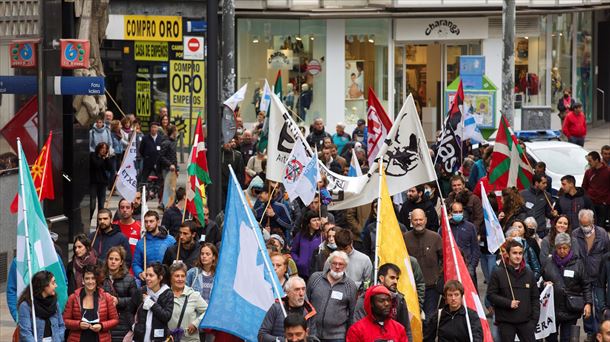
568, 273
336, 295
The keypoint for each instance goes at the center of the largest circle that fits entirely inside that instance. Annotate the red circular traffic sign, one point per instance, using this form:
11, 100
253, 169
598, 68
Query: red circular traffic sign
193, 44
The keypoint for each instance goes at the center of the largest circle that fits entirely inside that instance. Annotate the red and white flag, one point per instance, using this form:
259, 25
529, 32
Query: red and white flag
455, 268
378, 123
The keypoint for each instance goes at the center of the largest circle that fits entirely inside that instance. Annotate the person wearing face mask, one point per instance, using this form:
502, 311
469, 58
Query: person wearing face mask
566, 103
427, 247
590, 244
378, 324
333, 295
473, 209
417, 200
272, 327
360, 268
465, 234
431, 192
327, 246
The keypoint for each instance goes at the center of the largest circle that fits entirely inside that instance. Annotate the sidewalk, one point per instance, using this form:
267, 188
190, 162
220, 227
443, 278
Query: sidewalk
598, 137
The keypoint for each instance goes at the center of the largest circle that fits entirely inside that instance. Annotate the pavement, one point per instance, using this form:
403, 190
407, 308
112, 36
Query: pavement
596, 138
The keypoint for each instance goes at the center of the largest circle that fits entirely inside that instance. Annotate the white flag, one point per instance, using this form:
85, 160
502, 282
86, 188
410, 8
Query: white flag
495, 235
283, 132
126, 182
546, 323
266, 98
236, 98
298, 159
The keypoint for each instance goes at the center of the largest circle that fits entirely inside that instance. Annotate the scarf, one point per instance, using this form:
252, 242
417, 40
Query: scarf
562, 262
79, 262
149, 314
45, 308
567, 102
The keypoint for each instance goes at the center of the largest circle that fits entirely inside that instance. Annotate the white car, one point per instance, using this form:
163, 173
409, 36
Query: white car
561, 158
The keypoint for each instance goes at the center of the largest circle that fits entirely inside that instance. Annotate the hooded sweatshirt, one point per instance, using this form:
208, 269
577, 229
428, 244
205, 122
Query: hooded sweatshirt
104, 241
369, 329
98, 135
155, 249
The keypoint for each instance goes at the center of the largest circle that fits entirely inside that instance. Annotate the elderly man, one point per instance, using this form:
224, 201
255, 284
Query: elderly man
317, 134
360, 267
294, 302
333, 295
340, 138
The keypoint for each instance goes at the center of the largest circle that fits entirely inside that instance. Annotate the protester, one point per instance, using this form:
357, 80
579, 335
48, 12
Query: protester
572, 291
118, 144
513, 208
172, 216
296, 330
530, 236
189, 307
154, 314
99, 133
561, 224
130, 227
121, 286
359, 134
247, 146
272, 327
360, 268
49, 323
454, 322
305, 243
514, 295
164, 125
83, 255
417, 200
168, 161
575, 125
479, 169
108, 235
187, 247
210, 233
100, 166
572, 199
596, 183
369, 233
201, 277
254, 166
90, 313
606, 154
465, 235
517, 233
335, 312
280, 266
340, 138
317, 134
230, 156
471, 204
149, 150
327, 246
537, 202
272, 213
157, 241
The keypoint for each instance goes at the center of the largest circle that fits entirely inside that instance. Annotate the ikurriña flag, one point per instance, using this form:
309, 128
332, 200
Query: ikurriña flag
198, 175
508, 166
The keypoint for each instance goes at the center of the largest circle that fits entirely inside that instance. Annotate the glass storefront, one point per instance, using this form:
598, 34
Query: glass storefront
530, 66
584, 81
561, 57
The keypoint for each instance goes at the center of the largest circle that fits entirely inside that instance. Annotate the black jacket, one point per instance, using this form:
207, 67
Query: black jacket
172, 219
233, 158
126, 290
602, 285
404, 216
167, 155
149, 150
573, 282
98, 169
452, 326
570, 205
188, 256
525, 289
212, 233
104, 241
162, 313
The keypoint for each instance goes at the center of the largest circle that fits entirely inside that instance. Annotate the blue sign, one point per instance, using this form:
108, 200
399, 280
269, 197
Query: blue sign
472, 65
18, 85
71, 85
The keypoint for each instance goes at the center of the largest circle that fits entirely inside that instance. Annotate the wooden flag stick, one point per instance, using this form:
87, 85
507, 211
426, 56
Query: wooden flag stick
268, 203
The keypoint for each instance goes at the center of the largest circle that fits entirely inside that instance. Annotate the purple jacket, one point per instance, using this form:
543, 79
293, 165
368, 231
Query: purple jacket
302, 251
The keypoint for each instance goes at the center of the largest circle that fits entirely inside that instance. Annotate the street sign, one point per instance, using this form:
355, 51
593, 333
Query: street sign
72, 85
193, 48
18, 85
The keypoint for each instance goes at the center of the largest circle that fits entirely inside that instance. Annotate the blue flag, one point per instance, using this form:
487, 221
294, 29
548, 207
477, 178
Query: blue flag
495, 235
354, 166
245, 284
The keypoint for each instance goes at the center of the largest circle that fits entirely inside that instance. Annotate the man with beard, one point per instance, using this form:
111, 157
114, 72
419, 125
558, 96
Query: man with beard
294, 302
333, 295
130, 227
157, 241
450, 324
317, 134
427, 247
295, 329
417, 200
108, 235
388, 276
572, 200
360, 268
378, 324
188, 246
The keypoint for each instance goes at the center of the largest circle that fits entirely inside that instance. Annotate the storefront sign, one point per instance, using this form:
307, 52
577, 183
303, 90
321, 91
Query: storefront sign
440, 29
186, 78
26, 85
74, 53
144, 27
143, 100
23, 53
314, 67
279, 59
193, 48
151, 51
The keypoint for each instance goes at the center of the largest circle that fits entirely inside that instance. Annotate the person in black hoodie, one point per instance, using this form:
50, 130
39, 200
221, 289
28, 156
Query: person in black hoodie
157, 306
122, 287
514, 295
108, 235
417, 200
99, 167
172, 217
187, 244
572, 200
449, 324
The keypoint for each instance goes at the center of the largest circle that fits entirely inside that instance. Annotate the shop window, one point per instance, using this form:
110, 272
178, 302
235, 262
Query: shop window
530, 67
561, 54
584, 83
295, 49
366, 55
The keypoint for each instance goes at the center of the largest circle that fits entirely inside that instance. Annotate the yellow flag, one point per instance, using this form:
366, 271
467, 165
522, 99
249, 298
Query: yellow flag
391, 248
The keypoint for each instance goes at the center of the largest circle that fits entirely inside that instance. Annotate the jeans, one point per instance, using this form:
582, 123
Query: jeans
488, 265
96, 192
564, 330
577, 140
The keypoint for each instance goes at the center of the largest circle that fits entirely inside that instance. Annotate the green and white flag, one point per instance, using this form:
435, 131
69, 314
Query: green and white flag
33, 237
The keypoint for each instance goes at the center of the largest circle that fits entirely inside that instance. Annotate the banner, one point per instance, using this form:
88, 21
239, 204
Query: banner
143, 101
127, 176
151, 28
546, 323
187, 76
449, 153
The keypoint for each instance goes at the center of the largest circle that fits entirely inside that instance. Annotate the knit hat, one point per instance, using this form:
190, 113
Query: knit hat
278, 238
257, 183
563, 239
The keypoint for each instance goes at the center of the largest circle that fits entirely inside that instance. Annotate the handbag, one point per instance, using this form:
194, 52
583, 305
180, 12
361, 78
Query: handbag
129, 336
178, 333
575, 303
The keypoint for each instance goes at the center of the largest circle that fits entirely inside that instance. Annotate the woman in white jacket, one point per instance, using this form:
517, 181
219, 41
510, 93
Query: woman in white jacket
189, 307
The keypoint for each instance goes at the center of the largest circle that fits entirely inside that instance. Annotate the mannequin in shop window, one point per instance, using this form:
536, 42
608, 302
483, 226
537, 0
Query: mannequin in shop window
305, 101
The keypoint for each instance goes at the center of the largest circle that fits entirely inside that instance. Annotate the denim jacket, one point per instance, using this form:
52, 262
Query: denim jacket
26, 330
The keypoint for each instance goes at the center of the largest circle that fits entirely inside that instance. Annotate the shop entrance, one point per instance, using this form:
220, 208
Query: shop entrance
425, 70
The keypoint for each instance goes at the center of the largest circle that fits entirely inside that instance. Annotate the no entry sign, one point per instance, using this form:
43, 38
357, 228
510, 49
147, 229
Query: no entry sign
193, 48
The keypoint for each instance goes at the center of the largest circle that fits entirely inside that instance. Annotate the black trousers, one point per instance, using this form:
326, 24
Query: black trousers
601, 215
525, 331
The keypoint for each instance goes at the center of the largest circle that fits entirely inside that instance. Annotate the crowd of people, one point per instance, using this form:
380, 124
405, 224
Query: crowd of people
153, 286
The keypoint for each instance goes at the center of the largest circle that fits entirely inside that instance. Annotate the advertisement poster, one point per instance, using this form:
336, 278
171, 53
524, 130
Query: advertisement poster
354, 79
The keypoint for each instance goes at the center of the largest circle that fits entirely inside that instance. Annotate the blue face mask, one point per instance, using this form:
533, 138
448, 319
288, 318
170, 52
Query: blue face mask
458, 217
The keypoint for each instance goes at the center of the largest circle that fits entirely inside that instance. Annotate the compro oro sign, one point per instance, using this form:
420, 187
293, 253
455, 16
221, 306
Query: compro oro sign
436, 29
186, 78
145, 27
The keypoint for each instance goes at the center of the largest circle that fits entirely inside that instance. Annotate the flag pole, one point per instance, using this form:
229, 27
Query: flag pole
268, 202
258, 242
115, 176
378, 222
142, 224
27, 237
46, 161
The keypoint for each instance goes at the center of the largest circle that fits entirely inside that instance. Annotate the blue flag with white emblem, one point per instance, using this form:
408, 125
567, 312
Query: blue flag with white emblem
245, 284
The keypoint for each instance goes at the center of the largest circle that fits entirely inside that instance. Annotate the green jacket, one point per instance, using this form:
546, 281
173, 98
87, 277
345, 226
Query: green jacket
195, 310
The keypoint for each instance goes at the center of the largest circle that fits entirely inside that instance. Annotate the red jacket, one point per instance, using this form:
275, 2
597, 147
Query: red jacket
368, 330
575, 125
109, 318
596, 183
